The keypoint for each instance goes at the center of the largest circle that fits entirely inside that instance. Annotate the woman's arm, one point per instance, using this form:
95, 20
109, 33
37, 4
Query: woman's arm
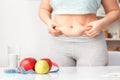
45, 11
112, 10
45, 15
112, 14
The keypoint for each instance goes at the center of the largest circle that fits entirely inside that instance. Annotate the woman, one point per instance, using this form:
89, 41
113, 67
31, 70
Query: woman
76, 31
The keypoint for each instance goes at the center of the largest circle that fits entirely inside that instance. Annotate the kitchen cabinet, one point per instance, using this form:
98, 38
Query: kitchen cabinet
113, 43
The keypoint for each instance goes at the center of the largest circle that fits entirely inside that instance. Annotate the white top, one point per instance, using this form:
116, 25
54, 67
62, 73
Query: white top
75, 6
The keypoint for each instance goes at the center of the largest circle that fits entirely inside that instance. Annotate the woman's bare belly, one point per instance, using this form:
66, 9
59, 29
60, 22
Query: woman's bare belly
73, 25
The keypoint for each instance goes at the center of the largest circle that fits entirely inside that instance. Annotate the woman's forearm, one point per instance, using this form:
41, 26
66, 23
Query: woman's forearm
45, 16
110, 17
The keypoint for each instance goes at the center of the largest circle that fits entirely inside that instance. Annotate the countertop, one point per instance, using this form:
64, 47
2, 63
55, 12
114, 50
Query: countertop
69, 73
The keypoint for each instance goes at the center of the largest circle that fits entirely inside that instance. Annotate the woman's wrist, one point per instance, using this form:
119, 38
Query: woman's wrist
48, 22
103, 22
108, 19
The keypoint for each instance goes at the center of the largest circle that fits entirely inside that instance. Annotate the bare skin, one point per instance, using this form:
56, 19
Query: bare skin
73, 25
77, 25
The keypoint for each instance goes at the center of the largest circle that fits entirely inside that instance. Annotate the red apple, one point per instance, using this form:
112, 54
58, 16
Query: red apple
48, 61
28, 63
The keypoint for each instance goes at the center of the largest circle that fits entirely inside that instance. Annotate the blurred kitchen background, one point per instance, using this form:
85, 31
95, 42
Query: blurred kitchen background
23, 33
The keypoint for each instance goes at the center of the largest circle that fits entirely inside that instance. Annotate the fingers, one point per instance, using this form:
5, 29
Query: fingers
57, 28
52, 28
85, 29
92, 33
88, 28
54, 31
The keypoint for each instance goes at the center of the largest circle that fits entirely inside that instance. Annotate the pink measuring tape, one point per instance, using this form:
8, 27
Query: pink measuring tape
52, 65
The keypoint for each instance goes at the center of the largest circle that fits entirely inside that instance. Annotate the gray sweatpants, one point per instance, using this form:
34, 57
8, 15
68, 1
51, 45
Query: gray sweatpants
79, 51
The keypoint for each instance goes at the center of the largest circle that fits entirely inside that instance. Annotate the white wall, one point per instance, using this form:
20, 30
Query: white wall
21, 26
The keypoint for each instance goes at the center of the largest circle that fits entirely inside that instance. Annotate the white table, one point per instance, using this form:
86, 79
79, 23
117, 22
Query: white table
70, 73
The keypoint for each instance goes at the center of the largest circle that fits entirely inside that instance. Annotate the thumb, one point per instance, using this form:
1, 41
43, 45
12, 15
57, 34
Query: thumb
85, 29
88, 28
57, 28
89, 24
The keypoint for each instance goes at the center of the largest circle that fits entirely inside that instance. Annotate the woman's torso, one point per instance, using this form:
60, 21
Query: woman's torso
74, 20
74, 12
